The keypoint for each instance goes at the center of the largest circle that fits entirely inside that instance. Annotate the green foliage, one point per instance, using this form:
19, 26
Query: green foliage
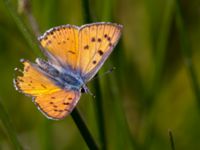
151, 95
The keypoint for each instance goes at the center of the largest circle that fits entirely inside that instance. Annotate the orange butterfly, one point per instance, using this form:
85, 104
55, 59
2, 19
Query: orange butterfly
75, 54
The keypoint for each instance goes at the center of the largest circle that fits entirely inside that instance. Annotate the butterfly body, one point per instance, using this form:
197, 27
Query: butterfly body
64, 77
74, 55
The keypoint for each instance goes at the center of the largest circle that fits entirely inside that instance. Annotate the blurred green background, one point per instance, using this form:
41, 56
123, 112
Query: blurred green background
153, 90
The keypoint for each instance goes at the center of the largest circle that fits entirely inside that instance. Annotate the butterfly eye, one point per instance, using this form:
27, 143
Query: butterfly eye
83, 90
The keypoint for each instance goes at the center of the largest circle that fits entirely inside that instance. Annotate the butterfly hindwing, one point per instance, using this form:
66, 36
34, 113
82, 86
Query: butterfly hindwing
96, 42
58, 104
62, 43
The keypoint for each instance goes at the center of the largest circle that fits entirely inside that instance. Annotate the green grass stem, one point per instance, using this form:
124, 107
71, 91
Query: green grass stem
11, 133
84, 130
86, 11
161, 48
187, 51
31, 40
171, 140
99, 100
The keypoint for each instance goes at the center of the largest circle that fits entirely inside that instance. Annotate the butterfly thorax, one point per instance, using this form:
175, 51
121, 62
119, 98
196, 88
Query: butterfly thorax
65, 78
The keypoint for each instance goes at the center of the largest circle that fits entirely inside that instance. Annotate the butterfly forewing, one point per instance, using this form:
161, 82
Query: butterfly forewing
33, 82
62, 43
96, 43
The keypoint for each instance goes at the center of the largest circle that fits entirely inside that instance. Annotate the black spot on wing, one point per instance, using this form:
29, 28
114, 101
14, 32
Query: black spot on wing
110, 44
94, 62
27, 69
100, 52
48, 42
43, 86
45, 38
86, 47
99, 40
69, 51
108, 38
66, 103
93, 39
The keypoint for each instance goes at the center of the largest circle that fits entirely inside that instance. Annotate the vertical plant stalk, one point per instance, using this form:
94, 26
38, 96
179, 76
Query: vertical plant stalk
186, 51
125, 66
9, 128
26, 8
45, 134
161, 48
125, 139
31, 40
171, 140
100, 114
86, 11
98, 99
84, 130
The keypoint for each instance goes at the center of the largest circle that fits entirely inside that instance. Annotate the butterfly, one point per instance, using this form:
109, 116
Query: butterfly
74, 56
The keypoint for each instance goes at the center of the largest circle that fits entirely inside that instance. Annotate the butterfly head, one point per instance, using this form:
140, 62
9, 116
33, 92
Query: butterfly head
85, 89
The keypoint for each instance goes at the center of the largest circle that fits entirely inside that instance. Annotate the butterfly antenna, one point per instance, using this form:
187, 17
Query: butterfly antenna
105, 73
85, 89
93, 96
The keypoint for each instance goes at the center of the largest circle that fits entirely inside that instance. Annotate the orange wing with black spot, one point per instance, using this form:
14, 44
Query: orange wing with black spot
62, 43
96, 42
52, 101
58, 104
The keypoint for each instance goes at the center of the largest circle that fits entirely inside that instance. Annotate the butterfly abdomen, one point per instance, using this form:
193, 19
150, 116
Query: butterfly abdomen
67, 78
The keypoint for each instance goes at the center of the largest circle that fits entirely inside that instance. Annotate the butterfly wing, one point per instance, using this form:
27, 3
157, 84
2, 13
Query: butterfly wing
61, 43
96, 42
58, 104
34, 82
52, 101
